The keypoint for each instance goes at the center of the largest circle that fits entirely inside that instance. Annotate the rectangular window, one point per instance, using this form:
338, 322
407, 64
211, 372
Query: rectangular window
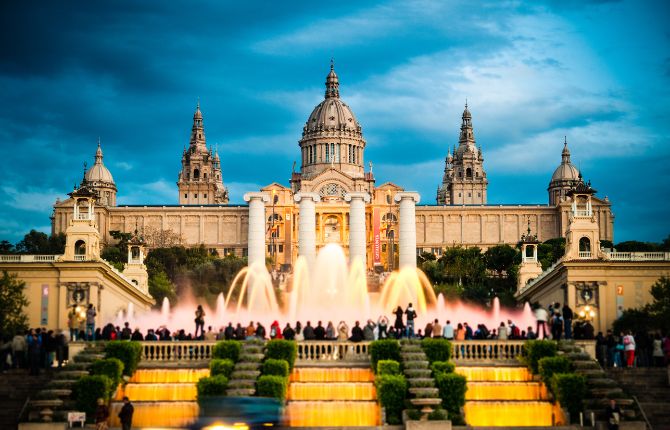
281, 248
469, 194
205, 196
195, 196
479, 194
185, 196
383, 247
228, 251
245, 252
327, 153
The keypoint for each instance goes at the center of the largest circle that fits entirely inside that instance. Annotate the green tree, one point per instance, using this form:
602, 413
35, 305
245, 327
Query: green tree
35, 242
659, 309
161, 287
13, 318
500, 258
637, 246
6, 248
550, 251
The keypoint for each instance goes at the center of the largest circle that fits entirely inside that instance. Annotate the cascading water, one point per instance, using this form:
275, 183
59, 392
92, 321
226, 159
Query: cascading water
320, 397
507, 396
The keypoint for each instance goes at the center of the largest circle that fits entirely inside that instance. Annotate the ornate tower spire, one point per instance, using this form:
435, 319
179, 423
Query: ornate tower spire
332, 82
98, 154
198, 130
467, 136
565, 155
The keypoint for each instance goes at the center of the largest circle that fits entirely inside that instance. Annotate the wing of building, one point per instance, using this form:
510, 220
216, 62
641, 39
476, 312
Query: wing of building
332, 164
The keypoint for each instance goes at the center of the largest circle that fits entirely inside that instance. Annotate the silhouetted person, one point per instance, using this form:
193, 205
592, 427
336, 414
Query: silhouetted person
126, 414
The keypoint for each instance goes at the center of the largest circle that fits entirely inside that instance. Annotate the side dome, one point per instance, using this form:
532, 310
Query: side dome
98, 172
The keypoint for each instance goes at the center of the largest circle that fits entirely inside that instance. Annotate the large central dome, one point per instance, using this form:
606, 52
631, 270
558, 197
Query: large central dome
332, 137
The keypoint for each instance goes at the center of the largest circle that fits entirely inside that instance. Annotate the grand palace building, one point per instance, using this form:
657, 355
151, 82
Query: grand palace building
333, 166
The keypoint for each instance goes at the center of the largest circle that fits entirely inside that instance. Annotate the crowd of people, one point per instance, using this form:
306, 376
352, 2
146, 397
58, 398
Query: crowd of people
35, 349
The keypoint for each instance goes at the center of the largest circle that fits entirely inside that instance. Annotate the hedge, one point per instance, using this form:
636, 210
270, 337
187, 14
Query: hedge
384, 349
212, 386
87, 391
388, 367
569, 389
549, 366
110, 367
221, 366
272, 366
272, 386
282, 349
442, 367
227, 349
391, 392
129, 352
535, 350
452, 388
436, 349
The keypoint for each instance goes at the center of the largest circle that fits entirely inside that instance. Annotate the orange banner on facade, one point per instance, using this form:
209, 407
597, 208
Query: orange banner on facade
376, 238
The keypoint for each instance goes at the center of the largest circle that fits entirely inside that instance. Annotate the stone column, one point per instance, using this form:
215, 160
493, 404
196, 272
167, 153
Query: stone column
357, 249
407, 228
307, 226
256, 236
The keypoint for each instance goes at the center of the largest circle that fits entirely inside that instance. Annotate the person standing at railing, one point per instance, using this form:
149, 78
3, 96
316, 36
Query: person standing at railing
356, 333
448, 331
399, 326
382, 327
369, 331
342, 331
437, 329
330, 331
541, 318
411, 315
567, 321
629, 348
502, 331
90, 322
288, 332
319, 332
199, 321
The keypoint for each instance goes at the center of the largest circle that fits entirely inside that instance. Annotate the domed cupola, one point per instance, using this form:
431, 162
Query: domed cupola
332, 136
564, 178
99, 178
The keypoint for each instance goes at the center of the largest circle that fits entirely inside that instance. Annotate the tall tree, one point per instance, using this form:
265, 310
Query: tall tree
13, 318
35, 242
500, 259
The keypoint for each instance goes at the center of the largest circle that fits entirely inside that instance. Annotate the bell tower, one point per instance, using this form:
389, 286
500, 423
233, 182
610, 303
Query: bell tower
200, 180
82, 239
583, 233
464, 181
530, 268
135, 269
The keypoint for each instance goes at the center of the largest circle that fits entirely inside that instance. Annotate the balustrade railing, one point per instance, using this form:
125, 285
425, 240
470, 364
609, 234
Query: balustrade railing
583, 213
639, 256
162, 351
330, 350
28, 258
584, 254
486, 350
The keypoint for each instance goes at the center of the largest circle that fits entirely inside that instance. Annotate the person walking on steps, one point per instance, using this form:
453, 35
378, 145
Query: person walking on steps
126, 414
101, 415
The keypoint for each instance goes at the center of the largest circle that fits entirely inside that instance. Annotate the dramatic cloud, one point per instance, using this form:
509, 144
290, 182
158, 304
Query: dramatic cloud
131, 73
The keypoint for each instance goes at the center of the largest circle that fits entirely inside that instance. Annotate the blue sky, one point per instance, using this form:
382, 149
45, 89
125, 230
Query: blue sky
131, 73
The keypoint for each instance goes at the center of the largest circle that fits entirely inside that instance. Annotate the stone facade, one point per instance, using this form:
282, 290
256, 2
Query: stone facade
332, 165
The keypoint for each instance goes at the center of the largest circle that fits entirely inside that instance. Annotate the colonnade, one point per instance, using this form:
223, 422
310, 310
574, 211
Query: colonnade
357, 232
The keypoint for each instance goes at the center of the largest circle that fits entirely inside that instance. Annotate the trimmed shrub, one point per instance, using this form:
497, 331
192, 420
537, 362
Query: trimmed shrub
452, 388
569, 389
88, 389
438, 415
535, 350
391, 392
272, 386
129, 352
227, 349
212, 386
442, 367
282, 349
414, 414
548, 366
221, 366
272, 366
110, 367
388, 367
384, 349
436, 349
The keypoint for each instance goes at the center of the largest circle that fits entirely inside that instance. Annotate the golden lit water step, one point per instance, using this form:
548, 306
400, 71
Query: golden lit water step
158, 414
332, 391
512, 413
506, 391
497, 374
326, 374
158, 392
156, 376
332, 414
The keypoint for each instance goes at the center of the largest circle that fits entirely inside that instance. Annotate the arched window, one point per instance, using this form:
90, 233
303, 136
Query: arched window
530, 251
468, 173
80, 247
584, 247
135, 252
204, 176
196, 174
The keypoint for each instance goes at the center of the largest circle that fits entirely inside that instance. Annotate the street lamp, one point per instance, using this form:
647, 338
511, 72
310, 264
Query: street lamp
587, 314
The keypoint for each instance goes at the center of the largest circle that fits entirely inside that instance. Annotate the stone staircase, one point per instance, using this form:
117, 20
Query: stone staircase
242, 382
424, 394
54, 400
16, 386
650, 386
601, 387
